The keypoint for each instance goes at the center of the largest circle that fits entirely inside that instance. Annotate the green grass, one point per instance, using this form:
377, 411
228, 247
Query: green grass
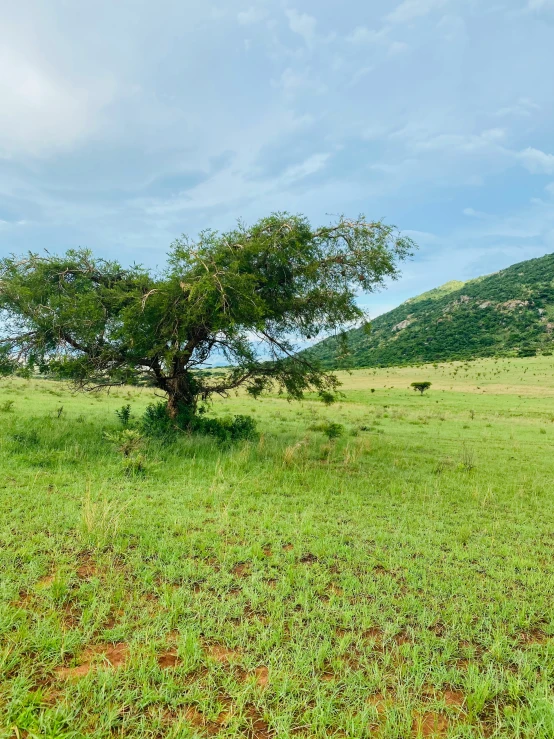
394, 582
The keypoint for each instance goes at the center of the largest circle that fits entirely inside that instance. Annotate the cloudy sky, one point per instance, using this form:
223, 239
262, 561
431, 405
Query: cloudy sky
124, 124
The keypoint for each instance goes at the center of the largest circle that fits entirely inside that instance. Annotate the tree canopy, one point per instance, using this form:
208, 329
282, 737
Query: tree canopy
421, 387
251, 295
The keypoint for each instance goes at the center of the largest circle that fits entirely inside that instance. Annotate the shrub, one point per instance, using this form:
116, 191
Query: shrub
127, 441
124, 414
225, 429
7, 406
333, 430
156, 422
135, 465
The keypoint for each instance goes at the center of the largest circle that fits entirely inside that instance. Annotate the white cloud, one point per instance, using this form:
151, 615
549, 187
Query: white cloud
292, 82
397, 47
411, 9
472, 213
302, 24
363, 35
487, 139
42, 111
540, 4
536, 161
252, 15
310, 166
522, 107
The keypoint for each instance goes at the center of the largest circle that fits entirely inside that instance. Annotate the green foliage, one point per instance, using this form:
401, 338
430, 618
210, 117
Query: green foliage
157, 423
527, 351
508, 313
235, 428
7, 406
421, 386
124, 414
127, 441
331, 429
97, 323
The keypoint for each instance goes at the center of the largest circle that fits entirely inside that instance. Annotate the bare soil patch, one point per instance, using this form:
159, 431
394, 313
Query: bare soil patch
430, 724
114, 656
221, 653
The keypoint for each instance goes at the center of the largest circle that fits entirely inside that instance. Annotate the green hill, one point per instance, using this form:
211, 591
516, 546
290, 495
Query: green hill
508, 312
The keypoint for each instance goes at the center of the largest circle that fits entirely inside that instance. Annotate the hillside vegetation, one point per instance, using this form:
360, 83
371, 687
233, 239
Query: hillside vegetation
507, 313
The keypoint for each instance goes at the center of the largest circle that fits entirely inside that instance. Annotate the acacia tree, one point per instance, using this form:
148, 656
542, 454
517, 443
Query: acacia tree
249, 295
421, 386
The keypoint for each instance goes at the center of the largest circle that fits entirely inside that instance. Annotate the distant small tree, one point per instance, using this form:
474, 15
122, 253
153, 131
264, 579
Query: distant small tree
421, 386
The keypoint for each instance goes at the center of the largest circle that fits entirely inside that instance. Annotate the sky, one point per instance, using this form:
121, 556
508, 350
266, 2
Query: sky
125, 124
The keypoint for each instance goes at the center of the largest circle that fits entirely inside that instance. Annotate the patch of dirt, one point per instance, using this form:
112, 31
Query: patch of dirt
250, 614
335, 589
257, 728
271, 583
308, 558
378, 701
454, 698
25, 599
242, 569
114, 656
87, 568
69, 673
536, 636
267, 551
46, 581
374, 634
430, 724
262, 676
438, 629
111, 621
71, 616
221, 653
168, 660
402, 638
197, 720
288, 547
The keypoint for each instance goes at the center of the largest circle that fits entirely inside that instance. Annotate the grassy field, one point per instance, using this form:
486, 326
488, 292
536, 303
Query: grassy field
395, 582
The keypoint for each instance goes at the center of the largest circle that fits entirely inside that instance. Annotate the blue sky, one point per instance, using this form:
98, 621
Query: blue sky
124, 124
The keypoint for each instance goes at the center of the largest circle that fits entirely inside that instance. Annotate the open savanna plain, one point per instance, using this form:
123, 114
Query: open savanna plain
397, 581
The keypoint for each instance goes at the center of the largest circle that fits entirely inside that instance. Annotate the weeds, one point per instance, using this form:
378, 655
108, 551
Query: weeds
467, 458
7, 406
100, 521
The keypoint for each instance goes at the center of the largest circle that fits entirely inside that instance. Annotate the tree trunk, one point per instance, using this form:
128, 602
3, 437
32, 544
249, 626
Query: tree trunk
181, 395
